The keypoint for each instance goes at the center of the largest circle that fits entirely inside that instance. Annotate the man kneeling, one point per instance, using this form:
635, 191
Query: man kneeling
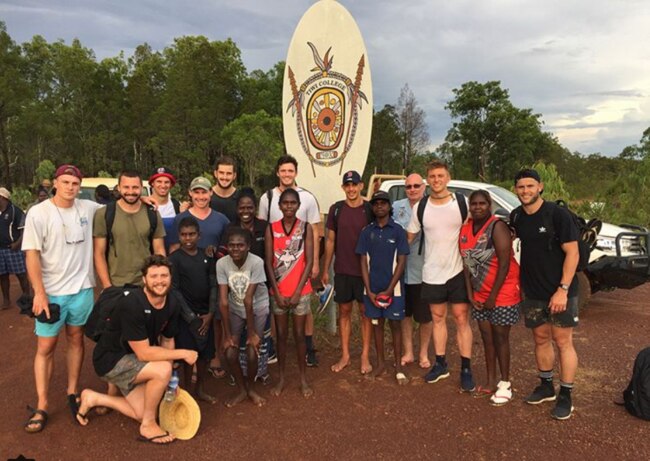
136, 352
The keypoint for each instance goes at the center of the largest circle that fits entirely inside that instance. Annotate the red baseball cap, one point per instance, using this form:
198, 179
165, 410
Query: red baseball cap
68, 169
162, 172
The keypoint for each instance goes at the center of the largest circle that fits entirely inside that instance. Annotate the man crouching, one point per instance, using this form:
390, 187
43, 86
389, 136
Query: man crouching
128, 353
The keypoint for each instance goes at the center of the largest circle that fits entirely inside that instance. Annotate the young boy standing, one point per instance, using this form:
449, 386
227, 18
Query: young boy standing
383, 248
193, 274
244, 302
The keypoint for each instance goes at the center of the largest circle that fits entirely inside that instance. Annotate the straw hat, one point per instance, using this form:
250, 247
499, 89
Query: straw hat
181, 417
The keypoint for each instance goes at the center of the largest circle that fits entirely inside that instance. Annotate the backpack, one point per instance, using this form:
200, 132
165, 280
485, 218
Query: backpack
462, 206
177, 206
587, 231
103, 311
110, 219
367, 210
637, 394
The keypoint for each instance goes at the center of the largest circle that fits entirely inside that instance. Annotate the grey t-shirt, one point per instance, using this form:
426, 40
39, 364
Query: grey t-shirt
239, 278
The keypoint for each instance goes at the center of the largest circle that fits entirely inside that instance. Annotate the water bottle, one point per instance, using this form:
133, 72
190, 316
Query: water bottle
172, 387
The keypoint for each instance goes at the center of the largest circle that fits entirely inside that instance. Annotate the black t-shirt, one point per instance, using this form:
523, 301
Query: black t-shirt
227, 206
541, 259
12, 221
134, 320
259, 232
191, 275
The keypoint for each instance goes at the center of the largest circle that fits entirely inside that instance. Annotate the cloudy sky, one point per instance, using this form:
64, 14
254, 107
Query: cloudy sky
583, 64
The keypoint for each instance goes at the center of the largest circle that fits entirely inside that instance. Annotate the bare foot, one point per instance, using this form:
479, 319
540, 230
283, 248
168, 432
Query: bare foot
340, 365
381, 369
205, 397
256, 398
236, 399
153, 433
277, 390
306, 390
424, 362
366, 367
85, 405
407, 359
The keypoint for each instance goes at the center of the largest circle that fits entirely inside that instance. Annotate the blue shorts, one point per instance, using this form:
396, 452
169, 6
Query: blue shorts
12, 262
393, 312
75, 310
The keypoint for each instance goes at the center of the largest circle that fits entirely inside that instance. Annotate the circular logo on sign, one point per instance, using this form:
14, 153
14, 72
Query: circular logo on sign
325, 116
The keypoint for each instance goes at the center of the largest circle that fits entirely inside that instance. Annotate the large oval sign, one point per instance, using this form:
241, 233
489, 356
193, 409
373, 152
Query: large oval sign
327, 98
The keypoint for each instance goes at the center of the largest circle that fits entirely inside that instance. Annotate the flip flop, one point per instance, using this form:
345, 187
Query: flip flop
217, 372
83, 416
74, 400
401, 379
142, 438
41, 423
481, 392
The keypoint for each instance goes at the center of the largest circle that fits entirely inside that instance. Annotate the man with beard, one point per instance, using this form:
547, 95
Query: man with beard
224, 193
136, 352
549, 259
125, 233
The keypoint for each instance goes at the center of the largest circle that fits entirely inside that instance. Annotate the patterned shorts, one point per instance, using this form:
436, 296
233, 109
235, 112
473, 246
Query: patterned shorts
303, 307
124, 373
12, 262
501, 316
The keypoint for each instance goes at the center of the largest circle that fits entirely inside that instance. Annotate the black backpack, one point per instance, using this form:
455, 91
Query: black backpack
104, 309
587, 231
637, 394
462, 206
110, 219
367, 210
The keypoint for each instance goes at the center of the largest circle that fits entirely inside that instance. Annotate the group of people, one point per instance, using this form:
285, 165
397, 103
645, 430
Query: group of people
231, 264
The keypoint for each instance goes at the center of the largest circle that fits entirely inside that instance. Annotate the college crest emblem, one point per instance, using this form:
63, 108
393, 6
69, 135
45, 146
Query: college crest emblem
326, 110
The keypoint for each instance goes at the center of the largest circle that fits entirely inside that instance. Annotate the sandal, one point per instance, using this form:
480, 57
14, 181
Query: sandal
74, 400
503, 394
217, 372
41, 423
481, 392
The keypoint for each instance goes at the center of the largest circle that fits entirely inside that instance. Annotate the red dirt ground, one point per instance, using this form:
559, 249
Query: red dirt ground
354, 418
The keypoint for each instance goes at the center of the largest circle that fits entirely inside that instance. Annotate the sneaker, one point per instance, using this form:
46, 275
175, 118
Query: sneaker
466, 380
563, 407
542, 393
502, 395
311, 359
324, 297
437, 372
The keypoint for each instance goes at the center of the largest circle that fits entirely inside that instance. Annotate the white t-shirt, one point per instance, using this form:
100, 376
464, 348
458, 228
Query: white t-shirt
441, 225
308, 211
64, 238
238, 280
167, 210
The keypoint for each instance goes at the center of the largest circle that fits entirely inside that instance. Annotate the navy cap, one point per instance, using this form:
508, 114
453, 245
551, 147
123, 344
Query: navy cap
380, 195
527, 173
351, 176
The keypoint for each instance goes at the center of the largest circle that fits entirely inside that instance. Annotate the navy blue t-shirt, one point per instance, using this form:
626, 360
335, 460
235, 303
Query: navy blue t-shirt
212, 228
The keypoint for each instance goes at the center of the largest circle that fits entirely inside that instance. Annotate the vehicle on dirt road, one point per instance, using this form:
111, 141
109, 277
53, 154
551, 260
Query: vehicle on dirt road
620, 258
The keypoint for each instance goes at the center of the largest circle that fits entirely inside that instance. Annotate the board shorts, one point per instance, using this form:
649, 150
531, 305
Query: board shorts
75, 310
537, 313
501, 316
415, 306
453, 291
393, 312
347, 288
12, 262
186, 340
303, 307
124, 373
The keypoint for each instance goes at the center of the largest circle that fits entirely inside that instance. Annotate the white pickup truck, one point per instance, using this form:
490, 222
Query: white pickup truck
620, 258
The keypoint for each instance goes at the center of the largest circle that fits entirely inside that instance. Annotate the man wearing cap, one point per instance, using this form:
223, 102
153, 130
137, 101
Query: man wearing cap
415, 307
136, 233
345, 220
136, 352
443, 281
212, 226
549, 259
12, 260
58, 247
286, 169
161, 182
224, 193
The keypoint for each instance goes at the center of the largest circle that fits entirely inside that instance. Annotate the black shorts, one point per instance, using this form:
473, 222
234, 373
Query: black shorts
347, 288
416, 307
185, 340
537, 313
453, 291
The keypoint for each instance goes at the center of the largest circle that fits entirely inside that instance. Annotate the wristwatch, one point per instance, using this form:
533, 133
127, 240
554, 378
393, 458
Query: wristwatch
564, 286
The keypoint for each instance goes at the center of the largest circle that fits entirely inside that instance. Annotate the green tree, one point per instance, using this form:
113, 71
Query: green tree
44, 170
554, 187
490, 138
263, 91
412, 126
256, 141
385, 143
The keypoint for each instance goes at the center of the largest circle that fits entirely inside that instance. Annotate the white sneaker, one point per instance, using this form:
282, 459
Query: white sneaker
502, 395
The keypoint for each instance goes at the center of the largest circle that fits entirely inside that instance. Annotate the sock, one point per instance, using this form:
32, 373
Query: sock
546, 377
441, 359
309, 342
566, 388
465, 362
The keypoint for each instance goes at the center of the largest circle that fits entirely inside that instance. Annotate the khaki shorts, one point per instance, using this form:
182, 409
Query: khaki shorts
124, 373
303, 307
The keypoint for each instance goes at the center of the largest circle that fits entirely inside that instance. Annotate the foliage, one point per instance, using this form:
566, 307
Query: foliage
22, 197
554, 188
385, 143
412, 126
44, 170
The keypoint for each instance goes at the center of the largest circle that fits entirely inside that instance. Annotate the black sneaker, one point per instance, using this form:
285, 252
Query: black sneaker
311, 359
542, 393
466, 380
563, 407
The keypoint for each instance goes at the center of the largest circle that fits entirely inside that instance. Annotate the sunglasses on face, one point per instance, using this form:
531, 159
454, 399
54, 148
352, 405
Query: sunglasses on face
412, 186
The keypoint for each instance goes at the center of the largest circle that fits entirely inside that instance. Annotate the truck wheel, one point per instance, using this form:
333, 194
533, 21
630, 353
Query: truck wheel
584, 290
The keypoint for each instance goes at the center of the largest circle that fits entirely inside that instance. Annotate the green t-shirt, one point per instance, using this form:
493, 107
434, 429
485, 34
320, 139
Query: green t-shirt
130, 243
